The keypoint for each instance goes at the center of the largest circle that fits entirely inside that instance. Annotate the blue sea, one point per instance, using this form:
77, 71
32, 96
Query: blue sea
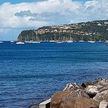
31, 73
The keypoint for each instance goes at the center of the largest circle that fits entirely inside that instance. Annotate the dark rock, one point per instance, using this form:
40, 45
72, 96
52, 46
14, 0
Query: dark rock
85, 84
91, 90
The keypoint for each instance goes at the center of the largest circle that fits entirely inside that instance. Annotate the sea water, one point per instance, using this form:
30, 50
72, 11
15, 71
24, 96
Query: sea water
31, 73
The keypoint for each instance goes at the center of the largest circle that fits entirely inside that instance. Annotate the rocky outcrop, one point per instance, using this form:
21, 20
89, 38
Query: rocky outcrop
93, 95
86, 31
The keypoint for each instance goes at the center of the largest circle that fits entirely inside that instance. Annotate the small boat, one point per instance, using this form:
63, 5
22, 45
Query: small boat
32, 42
59, 42
69, 41
19, 43
91, 41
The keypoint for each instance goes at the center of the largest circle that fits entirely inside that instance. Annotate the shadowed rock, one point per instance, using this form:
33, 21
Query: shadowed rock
92, 90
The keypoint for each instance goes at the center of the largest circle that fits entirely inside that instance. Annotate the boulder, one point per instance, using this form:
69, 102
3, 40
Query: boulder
102, 82
57, 98
60, 99
102, 85
71, 87
101, 96
103, 104
91, 90
78, 102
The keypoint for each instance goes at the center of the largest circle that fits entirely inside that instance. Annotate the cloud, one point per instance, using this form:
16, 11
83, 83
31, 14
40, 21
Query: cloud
33, 14
36, 14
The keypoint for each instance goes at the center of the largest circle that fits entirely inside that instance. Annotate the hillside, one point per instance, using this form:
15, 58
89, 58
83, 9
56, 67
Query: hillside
87, 31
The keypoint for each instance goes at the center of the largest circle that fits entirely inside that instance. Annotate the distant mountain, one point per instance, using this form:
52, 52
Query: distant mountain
87, 31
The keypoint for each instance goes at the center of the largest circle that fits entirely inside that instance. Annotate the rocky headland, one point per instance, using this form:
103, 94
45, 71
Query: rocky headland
84, 31
87, 95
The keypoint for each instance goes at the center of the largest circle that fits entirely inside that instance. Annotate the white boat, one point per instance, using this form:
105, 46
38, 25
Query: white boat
91, 41
32, 42
19, 43
35, 42
69, 41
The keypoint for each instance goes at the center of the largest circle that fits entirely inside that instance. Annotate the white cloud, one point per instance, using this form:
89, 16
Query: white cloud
48, 12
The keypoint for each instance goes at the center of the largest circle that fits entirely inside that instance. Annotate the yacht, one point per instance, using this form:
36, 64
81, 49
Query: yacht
91, 41
59, 42
69, 41
32, 42
19, 43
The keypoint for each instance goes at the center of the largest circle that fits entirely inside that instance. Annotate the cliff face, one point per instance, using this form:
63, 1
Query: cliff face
87, 31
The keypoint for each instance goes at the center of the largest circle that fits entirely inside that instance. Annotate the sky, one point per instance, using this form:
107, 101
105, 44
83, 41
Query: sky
18, 15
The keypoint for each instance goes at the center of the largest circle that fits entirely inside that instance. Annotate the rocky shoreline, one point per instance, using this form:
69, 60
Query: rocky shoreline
87, 95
